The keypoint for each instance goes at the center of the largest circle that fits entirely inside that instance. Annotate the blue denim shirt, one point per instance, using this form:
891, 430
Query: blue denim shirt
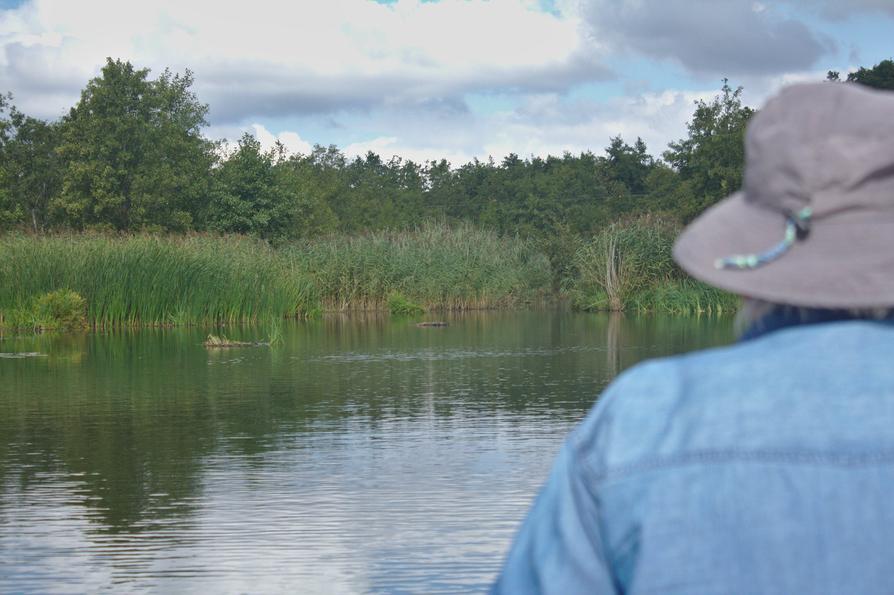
764, 467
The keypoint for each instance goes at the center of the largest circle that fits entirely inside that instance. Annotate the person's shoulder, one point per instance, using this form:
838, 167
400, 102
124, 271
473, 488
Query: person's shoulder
648, 388
657, 382
639, 406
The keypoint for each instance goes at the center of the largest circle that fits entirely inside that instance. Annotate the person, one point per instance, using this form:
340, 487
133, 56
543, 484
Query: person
766, 466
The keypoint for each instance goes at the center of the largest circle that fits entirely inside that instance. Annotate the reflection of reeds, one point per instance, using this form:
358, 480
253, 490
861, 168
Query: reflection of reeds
628, 266
613, 344
274, 331
612, 285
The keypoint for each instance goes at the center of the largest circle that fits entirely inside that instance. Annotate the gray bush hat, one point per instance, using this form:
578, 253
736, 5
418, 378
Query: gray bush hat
813, 224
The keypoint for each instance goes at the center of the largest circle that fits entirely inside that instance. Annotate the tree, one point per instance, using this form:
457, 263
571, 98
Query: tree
311, 214
880, 76
711, 159
32, 166
629, 165
249, 196
10, 211
133, 153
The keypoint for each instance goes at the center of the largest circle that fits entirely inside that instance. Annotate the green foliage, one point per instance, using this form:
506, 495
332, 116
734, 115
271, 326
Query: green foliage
130, 156
629, 266
145, 280
621, 261
310, 212
338, 233
684, 297
33, 167
434, 265
274, 331
10, 210
399, 305
629, 165
29, 167
133, 152
62, 310
880, 76
711, 159
249, 197
153, 280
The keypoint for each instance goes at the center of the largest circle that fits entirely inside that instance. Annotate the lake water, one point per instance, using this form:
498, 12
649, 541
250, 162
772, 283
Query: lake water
360, 455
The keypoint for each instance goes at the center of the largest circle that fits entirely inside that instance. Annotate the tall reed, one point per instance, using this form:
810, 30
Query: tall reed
151, 280
629, 266
434, 265
202, 279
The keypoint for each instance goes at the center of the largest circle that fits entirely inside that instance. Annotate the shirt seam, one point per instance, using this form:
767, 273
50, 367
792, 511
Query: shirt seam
718, 456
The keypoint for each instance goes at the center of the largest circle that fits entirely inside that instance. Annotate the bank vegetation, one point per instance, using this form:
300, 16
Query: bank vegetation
123, 212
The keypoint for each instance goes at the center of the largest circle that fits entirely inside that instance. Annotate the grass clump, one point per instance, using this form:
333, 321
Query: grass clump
62, 310
629, 267
399, 305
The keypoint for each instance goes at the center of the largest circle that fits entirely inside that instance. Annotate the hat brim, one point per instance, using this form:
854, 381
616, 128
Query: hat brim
845, 261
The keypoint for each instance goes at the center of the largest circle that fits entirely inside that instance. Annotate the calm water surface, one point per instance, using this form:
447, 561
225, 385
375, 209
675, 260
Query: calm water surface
359, 456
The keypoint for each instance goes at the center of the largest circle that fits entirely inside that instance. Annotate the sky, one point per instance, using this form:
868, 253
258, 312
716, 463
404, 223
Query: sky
452, 79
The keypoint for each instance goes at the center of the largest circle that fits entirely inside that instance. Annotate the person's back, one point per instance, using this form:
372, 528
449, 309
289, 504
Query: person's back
767, 466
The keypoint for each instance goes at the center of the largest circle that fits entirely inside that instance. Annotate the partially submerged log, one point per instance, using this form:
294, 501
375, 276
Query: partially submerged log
213, 341
21, 354
436, 324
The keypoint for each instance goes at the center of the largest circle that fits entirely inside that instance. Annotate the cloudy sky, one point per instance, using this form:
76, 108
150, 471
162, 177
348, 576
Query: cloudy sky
457, 79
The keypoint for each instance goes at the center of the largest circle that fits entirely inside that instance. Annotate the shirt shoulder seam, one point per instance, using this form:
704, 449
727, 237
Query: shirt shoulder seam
721, 456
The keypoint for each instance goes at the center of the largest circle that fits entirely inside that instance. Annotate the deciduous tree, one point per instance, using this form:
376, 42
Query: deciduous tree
133, 152
712, 157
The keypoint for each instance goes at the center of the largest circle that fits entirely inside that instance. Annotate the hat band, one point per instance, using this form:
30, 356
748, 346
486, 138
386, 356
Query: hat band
797, 227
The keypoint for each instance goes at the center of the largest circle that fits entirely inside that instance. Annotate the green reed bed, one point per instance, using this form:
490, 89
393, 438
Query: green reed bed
151, 280
434, 266
145, 280
628, 267
66, 281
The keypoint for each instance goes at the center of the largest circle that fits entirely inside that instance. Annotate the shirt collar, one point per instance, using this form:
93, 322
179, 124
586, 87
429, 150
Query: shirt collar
786, 316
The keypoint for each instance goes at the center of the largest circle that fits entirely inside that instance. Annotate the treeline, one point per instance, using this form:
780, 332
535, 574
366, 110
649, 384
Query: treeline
131, 156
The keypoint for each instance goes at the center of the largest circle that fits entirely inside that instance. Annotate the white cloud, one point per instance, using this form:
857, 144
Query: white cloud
230, 135
292, 142
400, 74
380, 145
549, 125
544, 124
274, 58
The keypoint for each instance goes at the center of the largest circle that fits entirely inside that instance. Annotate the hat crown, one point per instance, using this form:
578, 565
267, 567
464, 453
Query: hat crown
829, 146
